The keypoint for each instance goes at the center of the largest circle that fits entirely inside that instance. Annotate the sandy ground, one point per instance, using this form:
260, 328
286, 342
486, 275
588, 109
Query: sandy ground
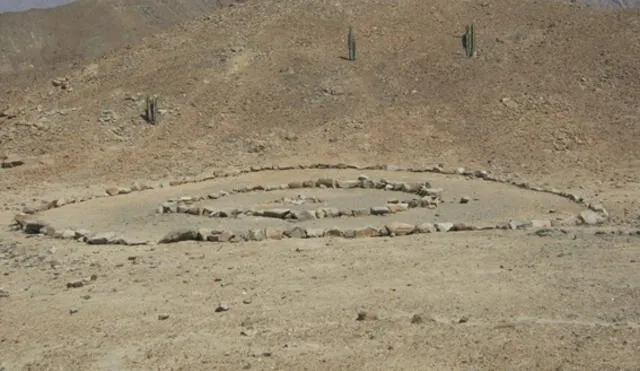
459, 301
489, 300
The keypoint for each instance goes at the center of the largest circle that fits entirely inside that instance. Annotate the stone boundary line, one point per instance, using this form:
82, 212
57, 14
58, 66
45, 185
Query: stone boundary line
28, 223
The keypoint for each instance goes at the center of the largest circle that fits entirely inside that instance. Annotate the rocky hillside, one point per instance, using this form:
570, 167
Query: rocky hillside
552, 90
38, 40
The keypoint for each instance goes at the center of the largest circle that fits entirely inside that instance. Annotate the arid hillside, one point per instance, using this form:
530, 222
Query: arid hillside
36, 41
553, 90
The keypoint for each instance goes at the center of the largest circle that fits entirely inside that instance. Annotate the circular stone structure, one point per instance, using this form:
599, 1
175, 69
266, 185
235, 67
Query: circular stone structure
309, 202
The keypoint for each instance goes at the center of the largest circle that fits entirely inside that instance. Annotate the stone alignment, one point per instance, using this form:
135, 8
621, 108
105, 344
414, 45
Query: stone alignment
595, 214
429, 198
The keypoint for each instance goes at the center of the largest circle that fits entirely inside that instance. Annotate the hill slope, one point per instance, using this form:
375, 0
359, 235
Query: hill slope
554, 90
34, 41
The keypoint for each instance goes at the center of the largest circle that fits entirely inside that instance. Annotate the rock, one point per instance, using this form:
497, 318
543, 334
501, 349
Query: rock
508, 102
163, 316
223, 236
169, 207
346, 212
461, 171
413, 187
273, 233
296, 232
459, 227
83, 233
395, 208
67, 234
75, 284
133, 242
566, 222
180, 235
257, 234
333, 232
519, 224
303, 215
548, 232
315, 232
437, 192
417, 319
590, 217
204, 234
600, 209
380, 210
465, 199
444, 227
113, 191
295, 185
426, 228
361, 212
10, 161
124, 190
308, 184
347, 184
222, 308
541, 223
34, 226
327, 182
107, 238
74, 310
400, 229
366, 316
4, 293
275, 213
366, 232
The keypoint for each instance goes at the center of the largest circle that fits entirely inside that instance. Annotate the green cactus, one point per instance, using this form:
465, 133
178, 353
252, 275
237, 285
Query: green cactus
351, 44
469, 40
152, 113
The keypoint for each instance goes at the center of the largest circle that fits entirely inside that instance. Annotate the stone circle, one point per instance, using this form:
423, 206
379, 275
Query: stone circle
306, 206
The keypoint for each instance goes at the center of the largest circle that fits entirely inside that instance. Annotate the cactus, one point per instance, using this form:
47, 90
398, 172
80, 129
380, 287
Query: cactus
152, 113
469, 40
351, 44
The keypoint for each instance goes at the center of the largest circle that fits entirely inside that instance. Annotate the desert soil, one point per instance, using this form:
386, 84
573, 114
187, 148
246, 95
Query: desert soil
551, 99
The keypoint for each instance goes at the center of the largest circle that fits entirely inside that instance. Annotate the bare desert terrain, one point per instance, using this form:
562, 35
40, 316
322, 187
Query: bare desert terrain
414, 209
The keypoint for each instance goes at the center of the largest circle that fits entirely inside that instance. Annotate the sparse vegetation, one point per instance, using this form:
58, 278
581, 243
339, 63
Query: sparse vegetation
351, 44
152, 114
469, 40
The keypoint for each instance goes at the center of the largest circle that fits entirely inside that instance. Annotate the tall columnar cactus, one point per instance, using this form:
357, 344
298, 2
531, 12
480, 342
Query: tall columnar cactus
351, 44
152, 113
470, 40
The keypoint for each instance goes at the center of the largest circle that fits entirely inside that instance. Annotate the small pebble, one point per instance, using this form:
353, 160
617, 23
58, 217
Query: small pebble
222, 308
366, 316
73, 310
163, 316
75, 284
463, 319
465, 200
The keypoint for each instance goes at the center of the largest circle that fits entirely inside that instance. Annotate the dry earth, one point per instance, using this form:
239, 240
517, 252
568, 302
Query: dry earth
550, 100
